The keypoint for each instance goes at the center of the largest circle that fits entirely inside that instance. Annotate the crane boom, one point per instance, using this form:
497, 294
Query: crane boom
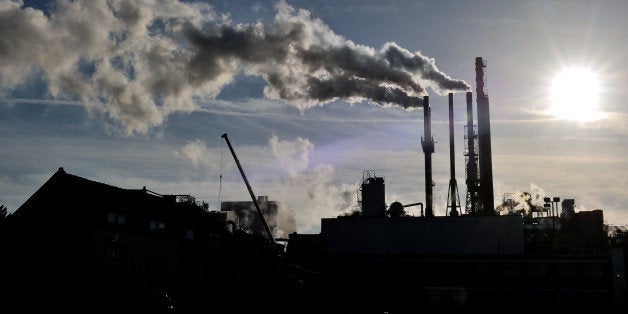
248, 186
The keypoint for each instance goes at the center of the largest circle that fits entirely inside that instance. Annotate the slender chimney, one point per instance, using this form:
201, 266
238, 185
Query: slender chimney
427, 142
471, 161
484, 142
453, 199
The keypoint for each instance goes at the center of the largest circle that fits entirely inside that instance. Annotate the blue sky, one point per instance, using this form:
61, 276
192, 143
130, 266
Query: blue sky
106, 92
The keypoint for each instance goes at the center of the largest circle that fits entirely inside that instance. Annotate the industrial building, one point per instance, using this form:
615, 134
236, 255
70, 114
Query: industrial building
120, 249
380, 260
81, 245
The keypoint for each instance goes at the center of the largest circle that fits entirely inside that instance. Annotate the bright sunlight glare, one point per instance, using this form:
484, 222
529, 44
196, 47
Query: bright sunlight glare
574, 95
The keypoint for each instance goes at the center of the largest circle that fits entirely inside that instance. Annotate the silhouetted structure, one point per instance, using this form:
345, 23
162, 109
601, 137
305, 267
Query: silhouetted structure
371, 263
462, 264
82, 245
262, 220
427, 143
471, 161
453, 198
372, 195
487, 204
119, 250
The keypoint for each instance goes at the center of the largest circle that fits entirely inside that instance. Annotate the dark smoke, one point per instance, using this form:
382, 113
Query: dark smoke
149, 60
348, 87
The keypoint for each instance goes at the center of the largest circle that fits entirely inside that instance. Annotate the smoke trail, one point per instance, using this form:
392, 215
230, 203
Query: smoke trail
139, 61
523, 203
304, 193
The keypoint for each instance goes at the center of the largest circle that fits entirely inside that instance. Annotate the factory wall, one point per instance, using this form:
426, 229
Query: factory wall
421, 235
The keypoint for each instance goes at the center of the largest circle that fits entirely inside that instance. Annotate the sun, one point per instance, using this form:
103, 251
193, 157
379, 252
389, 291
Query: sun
575, 95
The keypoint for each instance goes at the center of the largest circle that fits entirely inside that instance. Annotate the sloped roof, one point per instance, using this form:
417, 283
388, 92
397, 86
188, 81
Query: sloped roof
64, 188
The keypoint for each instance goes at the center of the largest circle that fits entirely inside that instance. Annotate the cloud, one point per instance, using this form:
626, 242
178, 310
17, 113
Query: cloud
140, 61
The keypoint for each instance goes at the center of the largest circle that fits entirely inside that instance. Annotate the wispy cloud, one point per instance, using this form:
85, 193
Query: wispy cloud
14, 101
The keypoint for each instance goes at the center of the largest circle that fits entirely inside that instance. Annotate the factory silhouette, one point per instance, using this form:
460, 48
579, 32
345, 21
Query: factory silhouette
81, 245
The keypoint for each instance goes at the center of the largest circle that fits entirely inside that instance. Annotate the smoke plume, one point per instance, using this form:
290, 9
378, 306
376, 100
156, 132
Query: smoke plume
195, 153
139, 61
293, 156
523, 203
304, 193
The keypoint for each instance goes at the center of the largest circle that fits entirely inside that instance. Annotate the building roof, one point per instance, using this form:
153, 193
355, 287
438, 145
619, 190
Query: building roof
64, 191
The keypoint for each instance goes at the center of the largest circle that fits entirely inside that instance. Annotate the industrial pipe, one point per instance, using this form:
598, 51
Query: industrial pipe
427, 142
484, 142
415, 204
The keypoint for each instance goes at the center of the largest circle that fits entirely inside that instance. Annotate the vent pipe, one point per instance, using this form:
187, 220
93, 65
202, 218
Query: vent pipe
453, 199
427, 142
484, 141
471, 160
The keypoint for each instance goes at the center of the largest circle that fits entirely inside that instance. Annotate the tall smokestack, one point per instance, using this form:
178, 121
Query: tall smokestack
427, 142
484, 141
471, 161
453, 199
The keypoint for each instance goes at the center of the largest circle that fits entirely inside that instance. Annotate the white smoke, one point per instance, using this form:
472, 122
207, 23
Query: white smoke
293, 156
537, 194
139, 61
522, 202
304, 196
195, 153
314, 195
308, 195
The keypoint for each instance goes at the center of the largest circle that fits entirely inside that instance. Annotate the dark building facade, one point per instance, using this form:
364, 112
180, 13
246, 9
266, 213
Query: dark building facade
76, 244
464, 264
81, 245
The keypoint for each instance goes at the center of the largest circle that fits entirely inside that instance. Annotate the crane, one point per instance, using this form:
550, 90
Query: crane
248, 186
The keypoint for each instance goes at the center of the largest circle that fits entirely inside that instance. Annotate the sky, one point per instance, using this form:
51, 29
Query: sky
312, 94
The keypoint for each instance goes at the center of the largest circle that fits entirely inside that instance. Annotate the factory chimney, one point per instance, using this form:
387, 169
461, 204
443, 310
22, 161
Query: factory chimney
427, 142
453, 199
471, 160
487, 206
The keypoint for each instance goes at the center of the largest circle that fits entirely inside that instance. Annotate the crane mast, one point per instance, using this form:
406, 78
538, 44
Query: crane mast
248, 186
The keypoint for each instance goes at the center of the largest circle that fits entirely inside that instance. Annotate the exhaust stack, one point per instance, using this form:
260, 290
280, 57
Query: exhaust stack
487, 206
453, 199
471, 160
427, 142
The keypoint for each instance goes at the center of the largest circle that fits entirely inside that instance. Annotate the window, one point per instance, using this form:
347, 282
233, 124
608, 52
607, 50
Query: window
189, 234
114, 258
155, 225
537, 270
567, 269
594, 269
116, 218
111, 217
511, 269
